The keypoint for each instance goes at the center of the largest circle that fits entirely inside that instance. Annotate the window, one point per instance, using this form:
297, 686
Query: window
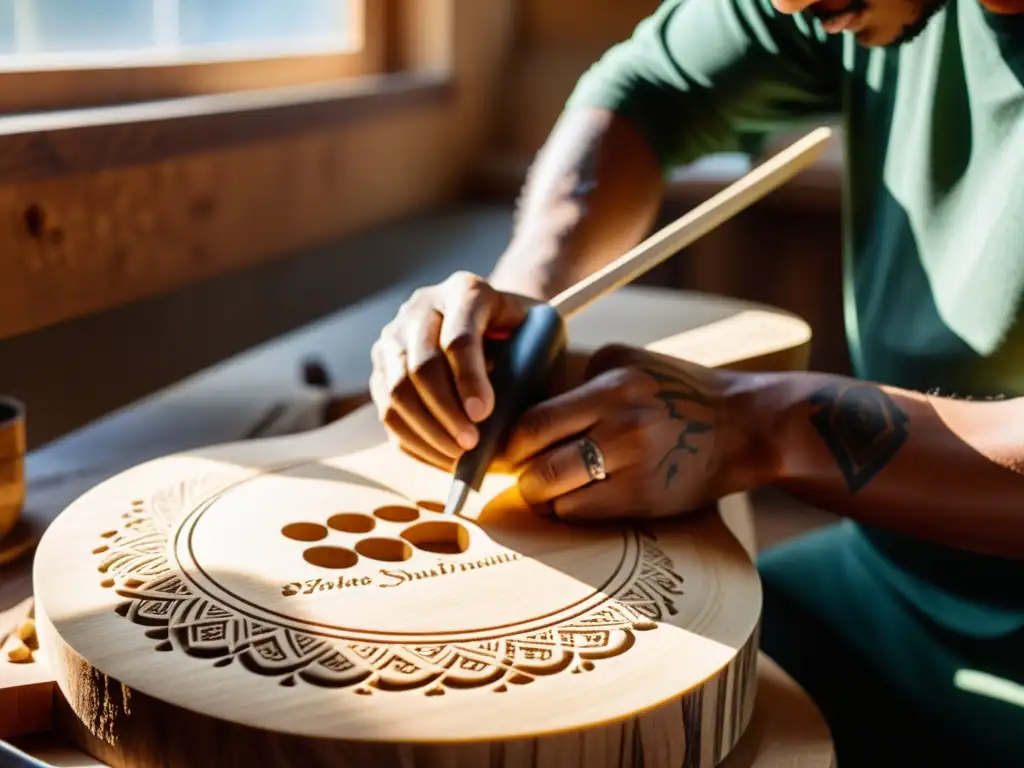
59, 54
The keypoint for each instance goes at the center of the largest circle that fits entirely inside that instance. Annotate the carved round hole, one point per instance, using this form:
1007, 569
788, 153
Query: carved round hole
304, 531
442, 537
397, 514
331, 557
388, 550
350, 522
431, 506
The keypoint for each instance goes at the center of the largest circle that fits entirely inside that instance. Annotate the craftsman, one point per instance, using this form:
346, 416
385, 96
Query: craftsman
905, 621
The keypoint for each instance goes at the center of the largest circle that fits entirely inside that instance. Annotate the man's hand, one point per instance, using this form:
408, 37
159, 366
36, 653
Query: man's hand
429, 380
664, 428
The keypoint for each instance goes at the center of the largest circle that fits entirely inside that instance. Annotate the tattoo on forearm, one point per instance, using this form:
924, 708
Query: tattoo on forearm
863, 428
678, 397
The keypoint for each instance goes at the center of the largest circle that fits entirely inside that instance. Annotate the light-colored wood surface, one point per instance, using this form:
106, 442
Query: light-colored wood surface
254, 575
641, 316
308, 588
669, 240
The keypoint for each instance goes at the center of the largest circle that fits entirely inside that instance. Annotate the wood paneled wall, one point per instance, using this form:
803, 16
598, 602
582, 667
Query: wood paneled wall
91, 240
263, 224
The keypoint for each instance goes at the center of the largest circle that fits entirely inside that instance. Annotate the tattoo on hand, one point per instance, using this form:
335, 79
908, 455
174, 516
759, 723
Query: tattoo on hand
676, 395
862, 427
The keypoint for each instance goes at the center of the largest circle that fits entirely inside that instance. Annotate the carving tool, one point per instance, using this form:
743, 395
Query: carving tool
520, 373
523, 362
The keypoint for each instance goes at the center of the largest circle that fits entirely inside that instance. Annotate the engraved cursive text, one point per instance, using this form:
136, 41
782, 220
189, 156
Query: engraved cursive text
395, 577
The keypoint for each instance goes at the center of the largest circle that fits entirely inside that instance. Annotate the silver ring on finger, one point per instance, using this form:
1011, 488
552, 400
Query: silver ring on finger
593, 458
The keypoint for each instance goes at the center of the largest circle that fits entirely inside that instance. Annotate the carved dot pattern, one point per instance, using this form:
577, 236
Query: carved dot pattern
439, 537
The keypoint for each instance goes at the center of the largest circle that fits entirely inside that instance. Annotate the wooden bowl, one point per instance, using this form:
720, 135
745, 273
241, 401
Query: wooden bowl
12, 463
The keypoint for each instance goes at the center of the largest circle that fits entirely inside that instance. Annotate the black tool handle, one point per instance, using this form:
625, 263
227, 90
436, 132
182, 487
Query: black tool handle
522, 366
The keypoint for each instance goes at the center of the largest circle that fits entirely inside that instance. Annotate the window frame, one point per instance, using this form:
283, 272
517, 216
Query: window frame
74, 81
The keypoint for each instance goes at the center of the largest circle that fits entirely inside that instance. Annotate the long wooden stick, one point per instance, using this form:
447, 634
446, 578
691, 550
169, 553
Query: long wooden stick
695, 223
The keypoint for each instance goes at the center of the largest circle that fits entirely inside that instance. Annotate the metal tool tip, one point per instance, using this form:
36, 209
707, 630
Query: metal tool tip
456, 497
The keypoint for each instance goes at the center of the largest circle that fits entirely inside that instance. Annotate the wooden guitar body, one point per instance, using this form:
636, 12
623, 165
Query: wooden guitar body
302, 601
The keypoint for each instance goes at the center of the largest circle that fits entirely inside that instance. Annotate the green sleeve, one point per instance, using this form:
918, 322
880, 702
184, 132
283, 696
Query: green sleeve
698, 74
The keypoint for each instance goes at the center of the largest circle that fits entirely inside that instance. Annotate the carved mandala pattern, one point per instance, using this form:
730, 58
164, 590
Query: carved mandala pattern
181, 618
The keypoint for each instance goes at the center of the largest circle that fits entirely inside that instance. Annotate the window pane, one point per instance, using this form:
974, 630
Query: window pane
216, 22
185, 27
6, 26
50, 26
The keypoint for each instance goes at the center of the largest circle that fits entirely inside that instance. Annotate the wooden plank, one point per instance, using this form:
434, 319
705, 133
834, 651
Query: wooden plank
57, 144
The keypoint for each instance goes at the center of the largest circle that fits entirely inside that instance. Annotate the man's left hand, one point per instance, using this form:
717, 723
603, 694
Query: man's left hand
643, 435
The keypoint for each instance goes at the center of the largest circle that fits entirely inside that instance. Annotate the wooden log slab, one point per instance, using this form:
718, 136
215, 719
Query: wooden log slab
304, 596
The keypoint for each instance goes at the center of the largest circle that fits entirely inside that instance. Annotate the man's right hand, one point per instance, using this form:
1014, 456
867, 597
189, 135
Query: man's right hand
430, 380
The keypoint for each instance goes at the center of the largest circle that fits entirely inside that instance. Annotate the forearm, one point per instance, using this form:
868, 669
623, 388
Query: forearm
591, 195
951, 471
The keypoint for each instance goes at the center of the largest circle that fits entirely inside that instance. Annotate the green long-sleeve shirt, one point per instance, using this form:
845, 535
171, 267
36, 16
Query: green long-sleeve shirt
934, 213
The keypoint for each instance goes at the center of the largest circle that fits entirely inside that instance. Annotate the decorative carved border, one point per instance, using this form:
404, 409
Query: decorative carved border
179, 617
